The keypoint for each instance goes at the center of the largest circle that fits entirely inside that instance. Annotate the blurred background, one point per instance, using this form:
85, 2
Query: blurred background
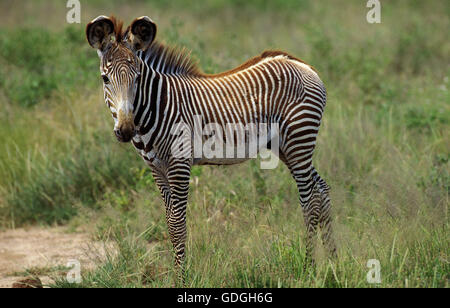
383, 147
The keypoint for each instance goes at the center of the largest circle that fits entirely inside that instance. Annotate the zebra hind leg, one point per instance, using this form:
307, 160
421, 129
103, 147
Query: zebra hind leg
311, 216
325, 219
316, 206
310, 201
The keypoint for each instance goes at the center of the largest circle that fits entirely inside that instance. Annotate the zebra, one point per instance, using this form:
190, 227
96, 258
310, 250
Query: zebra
151, 87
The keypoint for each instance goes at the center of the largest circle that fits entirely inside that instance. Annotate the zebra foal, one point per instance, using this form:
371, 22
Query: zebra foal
152, 89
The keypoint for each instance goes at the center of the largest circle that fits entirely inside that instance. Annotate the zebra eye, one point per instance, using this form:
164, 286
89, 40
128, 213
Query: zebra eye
105, 79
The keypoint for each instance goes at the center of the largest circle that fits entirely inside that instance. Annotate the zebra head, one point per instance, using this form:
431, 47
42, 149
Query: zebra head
120, 67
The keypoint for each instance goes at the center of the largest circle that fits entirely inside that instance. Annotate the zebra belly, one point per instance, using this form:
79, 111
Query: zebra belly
219, 152
226, 156
219, 161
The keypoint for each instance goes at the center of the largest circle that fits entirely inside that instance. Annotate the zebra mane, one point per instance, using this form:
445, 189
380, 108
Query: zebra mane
170, 60
178, 61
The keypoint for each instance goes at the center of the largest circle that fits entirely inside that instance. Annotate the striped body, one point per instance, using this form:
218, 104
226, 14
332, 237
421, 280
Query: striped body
276, 88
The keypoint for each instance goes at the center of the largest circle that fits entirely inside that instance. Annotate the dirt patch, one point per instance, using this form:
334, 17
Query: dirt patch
43, 250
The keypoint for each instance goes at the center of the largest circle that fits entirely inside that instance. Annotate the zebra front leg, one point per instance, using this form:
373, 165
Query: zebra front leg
178, 178
176, 222
173, 221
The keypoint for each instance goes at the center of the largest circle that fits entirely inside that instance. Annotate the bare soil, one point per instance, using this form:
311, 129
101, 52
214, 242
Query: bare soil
43, 251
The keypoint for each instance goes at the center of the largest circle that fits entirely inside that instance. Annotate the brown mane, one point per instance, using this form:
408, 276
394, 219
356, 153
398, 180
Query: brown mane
179, 61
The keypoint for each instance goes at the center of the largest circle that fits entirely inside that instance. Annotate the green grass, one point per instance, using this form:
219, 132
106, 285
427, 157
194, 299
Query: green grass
383, 148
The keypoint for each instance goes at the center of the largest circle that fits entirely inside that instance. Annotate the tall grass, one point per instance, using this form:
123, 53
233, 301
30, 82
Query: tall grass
383, 147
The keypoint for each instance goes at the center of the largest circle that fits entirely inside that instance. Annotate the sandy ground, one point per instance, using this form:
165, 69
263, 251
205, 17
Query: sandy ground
43, 249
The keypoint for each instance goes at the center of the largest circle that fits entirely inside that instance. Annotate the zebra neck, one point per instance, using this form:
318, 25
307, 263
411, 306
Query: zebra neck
150, 108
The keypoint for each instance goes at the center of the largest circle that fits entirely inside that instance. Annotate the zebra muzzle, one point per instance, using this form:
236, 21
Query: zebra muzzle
125, 129
125, 133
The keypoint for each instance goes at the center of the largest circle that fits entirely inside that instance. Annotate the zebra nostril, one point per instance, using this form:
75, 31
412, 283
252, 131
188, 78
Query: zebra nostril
118, 133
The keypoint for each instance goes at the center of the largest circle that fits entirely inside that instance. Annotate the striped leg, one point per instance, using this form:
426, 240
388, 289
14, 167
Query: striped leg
325, 219
309, 200
178, 177
311, 214
314, 199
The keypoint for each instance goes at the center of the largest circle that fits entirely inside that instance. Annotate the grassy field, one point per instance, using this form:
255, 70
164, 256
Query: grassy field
383, 148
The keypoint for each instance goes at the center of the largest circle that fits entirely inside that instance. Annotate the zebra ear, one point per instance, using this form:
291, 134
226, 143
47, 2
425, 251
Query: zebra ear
142, 33
99, 32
